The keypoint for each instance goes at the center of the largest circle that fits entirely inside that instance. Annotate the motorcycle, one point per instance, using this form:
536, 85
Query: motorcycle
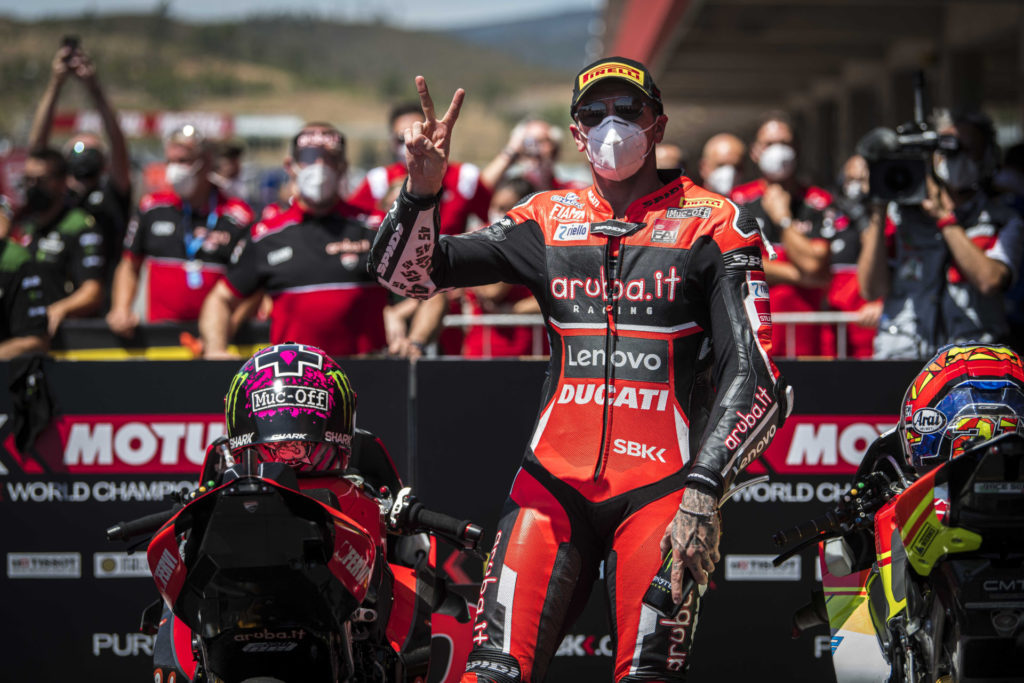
269, 576
923, 579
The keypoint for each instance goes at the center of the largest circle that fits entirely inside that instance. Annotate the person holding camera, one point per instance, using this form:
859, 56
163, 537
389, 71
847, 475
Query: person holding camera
98, 179
942, 266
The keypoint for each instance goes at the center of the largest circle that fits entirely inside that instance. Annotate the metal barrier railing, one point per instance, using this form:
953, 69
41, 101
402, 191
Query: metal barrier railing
841, 319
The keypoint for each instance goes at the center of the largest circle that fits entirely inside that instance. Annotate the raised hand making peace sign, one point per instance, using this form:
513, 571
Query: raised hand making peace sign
428, 143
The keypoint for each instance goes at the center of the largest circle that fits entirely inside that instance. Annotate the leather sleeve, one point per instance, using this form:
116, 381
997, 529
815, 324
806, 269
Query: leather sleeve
750, 401
411, 258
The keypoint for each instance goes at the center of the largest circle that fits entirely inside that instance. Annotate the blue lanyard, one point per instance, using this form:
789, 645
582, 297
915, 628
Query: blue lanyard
194, 242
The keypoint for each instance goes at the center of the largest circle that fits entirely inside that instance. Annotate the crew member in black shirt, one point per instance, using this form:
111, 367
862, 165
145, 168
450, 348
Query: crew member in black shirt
310, 259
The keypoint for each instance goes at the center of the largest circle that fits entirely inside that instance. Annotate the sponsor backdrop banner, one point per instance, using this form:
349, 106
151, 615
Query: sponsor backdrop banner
125, 434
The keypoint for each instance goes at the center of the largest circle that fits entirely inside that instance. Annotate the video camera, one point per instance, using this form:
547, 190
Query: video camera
900, 160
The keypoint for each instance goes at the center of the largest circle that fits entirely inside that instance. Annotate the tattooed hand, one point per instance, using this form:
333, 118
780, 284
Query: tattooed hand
693, 536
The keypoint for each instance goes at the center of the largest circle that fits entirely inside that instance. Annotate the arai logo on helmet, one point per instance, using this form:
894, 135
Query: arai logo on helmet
928, 421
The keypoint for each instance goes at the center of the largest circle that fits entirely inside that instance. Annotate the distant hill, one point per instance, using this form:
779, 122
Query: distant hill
556, 42
275, 63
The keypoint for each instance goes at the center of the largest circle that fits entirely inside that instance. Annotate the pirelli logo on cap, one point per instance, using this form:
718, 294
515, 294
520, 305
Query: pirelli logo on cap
612, 69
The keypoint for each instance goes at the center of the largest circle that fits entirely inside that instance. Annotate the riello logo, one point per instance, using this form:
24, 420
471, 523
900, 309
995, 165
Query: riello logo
122, 444
821, 444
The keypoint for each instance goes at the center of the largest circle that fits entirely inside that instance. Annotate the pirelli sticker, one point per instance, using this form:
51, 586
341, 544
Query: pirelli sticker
612, 69
702, 201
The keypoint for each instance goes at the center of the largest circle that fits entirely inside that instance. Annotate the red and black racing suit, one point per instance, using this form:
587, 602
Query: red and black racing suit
646, 317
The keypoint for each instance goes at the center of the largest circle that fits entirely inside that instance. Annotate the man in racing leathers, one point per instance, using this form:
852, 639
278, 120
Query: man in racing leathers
657, 310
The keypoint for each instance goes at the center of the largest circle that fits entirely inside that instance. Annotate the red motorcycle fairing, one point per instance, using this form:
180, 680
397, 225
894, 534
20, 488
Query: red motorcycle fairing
354, 549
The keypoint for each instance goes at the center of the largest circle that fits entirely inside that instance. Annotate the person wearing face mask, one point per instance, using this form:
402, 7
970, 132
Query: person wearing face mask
943, 267
310, 259
486, 341
798, 220
721, 163
99, 176
844, 236
62, 240
185, 236
653, 293
467, 193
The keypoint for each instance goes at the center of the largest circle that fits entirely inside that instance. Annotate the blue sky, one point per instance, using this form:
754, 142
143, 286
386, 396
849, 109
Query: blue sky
411, 14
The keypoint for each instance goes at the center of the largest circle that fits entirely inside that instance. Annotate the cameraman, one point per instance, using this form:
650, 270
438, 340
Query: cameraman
942, 266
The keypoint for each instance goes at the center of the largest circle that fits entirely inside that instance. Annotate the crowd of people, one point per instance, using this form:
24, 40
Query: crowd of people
911, 277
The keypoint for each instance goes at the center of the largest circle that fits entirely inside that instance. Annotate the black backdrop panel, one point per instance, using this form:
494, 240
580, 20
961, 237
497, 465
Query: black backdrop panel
76, 599
473, 421
127, 432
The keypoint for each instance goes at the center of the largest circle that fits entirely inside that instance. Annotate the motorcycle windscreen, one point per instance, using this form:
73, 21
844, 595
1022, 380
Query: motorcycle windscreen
262, 590
260, 556
856, 655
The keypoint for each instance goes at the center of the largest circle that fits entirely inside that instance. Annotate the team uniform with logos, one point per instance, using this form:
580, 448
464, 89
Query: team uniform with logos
844, 222
930, 302
110, 209
813, 216
490, 341
22, 301
646, 318
68, 250
187, 251
463, 194
314, 268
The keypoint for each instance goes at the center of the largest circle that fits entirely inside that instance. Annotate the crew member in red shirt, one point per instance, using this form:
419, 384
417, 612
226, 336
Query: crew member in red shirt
185, 235
310, 259
792, 216
464, 194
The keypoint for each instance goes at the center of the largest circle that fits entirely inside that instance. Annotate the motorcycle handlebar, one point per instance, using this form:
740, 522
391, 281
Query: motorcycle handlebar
828, 522
124, 531
467, 533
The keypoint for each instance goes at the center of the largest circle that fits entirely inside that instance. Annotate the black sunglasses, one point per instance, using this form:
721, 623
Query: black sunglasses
309, 155
628, 107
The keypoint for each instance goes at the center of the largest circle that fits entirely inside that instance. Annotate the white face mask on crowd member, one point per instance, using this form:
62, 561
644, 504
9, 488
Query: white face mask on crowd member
617, 148
183, 177
959, 172
722, 179
853, 189
777, 161
317, 183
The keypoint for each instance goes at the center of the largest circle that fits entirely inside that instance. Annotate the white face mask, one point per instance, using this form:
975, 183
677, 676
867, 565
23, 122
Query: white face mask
958, 173
617, 148
778, 161
722, 179
853, 189
317, 183
182, 177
